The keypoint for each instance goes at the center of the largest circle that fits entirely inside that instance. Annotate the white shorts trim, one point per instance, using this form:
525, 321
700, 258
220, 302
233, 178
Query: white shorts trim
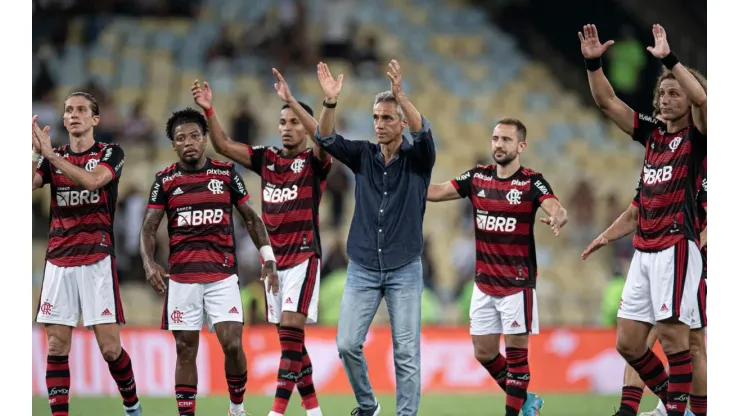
508, 315
91, 289
663, 284
299, 292
187, 305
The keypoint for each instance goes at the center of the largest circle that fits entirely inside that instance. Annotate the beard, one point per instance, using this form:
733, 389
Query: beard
504, 160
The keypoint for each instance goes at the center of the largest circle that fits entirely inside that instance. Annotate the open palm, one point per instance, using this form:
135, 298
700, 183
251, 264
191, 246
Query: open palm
329, 85
591, 47
661, 48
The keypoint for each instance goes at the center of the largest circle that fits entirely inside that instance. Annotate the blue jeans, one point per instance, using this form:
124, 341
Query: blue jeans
362, 293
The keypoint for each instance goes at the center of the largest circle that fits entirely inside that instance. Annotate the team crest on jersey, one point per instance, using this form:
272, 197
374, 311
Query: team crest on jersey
297, 165
216, 186
91, 164
673, 145
514, 197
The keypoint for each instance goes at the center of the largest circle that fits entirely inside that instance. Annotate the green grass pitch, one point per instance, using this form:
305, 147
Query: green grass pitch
431, 405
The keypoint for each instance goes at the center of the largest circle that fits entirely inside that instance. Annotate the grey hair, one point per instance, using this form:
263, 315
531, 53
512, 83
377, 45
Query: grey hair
387, 97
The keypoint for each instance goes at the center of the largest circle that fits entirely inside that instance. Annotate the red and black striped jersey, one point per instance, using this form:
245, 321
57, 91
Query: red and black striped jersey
81, 229
671, 177
198, 206
291, 193
505, 209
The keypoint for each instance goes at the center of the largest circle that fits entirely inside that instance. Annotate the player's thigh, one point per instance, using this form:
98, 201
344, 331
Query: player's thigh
223, 301
59, 300
299, 288
519, 313
484, 317
183, 307
636, 303
100, 297
675, 274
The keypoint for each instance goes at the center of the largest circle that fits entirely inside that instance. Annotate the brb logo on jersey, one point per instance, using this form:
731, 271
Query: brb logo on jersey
653, 176
200, 217
486, 222
76, 198
279, 195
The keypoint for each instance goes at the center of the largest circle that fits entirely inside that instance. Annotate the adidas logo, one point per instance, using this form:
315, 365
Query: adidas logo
106, 312
482, 193
288, 301
234, 310
663, 308
515, 324
178, 191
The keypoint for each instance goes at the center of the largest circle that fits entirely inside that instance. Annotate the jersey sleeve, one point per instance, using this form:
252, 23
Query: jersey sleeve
157, 198
43, 168
464, 184
257, 156
238, 190
541, 189
636, 199
643, 127
322, 168
703, 188
112, 159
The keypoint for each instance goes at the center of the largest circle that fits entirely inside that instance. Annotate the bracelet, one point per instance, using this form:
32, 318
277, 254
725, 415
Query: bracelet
209, 112
670, 60
593, 64
267, 254
328, 105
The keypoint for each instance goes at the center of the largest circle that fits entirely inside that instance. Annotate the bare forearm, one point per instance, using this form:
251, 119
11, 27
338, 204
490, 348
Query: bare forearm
621, 227
147, 245
77, 174
412, 114
693, 89
223, 144
255, 226
326, 119
310, 125
601, 89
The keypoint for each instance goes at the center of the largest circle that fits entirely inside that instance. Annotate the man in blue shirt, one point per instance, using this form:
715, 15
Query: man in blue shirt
385, 240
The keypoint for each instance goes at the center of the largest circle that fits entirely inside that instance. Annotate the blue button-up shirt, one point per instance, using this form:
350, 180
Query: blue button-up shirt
390, 200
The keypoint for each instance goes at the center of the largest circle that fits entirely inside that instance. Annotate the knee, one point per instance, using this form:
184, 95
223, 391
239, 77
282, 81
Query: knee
110, 351
186, 350
484, 353
348, 346
697, 345
232, 346
629, 350
59, 345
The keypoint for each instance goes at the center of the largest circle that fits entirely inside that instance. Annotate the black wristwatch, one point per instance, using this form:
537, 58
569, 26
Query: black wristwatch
327, 105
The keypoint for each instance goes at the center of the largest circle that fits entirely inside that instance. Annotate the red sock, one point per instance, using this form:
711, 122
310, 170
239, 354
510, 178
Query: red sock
237, 386
123, 374
185, 396
518, 380
305, 383
699, 405
57, 384
631, 397
497, 368
652, 372
679, 384
291, 344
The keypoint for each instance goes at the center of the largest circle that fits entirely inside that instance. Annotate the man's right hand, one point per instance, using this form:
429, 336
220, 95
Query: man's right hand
591, 47
282, 86
329, 85
203, 97
599, 242
155, 275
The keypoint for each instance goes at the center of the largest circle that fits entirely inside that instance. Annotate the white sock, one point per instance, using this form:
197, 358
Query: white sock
274, 413
314, 412
236, 408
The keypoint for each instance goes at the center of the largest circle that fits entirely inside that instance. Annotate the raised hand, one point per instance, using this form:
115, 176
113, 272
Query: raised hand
282, 87
41, 140
599, 242
591, 47
203, 97
269, 274
661, 48
329, 85
394, 73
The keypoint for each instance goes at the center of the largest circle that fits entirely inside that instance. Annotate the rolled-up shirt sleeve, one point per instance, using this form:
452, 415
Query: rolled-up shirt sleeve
346, 151
423, 142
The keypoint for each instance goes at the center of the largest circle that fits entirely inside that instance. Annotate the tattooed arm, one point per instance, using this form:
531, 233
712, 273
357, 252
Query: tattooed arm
258, 234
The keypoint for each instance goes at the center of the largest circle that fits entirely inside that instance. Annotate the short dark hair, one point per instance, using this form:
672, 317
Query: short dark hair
521, 129
187, 115
94, 107
302, 104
